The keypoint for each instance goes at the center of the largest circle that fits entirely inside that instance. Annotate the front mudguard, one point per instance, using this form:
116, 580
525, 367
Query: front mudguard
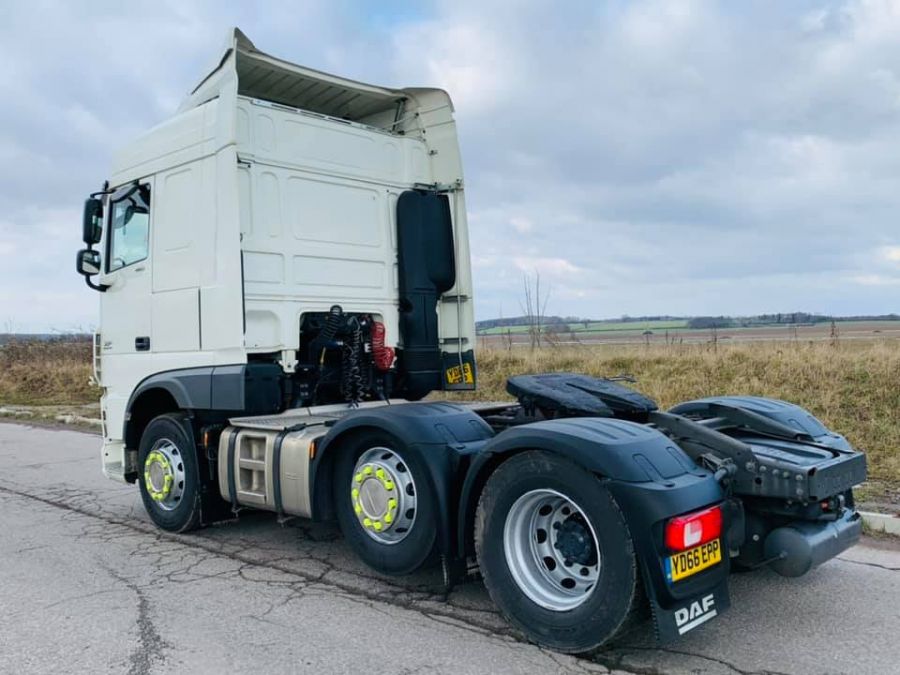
682, 606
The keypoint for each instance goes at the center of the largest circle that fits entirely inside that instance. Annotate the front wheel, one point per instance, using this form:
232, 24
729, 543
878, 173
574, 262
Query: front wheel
555, 553
169, 475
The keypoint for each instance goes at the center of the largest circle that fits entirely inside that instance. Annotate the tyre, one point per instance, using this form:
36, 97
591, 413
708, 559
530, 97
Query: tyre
556, 554
169, 475
384, 504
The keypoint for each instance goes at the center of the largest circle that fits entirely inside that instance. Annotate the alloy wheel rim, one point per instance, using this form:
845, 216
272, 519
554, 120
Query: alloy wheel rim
551, 550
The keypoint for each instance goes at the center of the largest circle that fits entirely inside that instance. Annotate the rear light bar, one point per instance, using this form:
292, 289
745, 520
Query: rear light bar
694, 529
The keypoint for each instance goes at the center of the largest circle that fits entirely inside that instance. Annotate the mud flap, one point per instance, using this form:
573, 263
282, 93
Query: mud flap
213, 509
682, 616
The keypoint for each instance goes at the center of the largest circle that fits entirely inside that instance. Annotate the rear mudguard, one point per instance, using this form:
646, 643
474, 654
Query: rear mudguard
650, 478
790, 418
786, 442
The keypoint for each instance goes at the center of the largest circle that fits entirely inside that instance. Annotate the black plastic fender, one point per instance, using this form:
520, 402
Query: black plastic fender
247, 388
443, 435
615, 449
789, 416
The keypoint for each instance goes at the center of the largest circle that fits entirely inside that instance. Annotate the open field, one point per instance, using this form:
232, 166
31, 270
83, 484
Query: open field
677, 332
597, 327
853, 385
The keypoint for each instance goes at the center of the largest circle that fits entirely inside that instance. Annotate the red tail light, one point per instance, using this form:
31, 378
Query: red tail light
693, 529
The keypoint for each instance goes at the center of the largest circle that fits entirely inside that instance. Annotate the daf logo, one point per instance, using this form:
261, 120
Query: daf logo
700, 611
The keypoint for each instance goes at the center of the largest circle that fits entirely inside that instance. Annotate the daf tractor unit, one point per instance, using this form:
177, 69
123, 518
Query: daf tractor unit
283, 274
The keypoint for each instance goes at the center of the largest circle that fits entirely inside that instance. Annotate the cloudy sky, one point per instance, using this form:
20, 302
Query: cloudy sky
662, 157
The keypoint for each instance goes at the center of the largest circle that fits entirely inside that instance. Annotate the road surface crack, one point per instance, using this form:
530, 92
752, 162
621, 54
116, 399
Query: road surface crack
150, 647
887, 568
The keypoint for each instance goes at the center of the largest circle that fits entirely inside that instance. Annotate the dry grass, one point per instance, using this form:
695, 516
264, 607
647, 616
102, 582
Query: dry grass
853, 386
46, 373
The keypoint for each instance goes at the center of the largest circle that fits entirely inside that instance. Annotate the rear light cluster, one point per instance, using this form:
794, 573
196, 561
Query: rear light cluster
694, 529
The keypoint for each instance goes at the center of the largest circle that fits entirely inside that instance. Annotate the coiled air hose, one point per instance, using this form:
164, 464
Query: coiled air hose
352, 385
333, 323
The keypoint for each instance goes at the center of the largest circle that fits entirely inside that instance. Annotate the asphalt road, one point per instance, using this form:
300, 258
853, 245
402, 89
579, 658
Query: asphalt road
88, 585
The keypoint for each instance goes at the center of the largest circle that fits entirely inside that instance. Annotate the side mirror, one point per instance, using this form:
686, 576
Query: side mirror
88, 262
91, 225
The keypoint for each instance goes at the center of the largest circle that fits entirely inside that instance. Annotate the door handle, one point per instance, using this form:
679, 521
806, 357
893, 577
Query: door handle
142, 344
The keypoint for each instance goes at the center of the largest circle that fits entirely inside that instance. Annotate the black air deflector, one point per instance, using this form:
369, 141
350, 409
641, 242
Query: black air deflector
427, 270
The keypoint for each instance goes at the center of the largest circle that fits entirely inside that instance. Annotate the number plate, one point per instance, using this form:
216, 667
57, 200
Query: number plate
460, 375
697, 559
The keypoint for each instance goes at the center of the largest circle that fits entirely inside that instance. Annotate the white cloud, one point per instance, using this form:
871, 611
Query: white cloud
521, 225
891, 253
551, 267
876, 280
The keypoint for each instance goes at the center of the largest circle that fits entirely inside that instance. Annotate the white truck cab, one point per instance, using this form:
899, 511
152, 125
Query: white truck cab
287, 239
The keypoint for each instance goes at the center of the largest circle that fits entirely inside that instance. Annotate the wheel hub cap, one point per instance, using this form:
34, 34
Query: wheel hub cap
551, 550
574, 542
158, 475
164, 474
375, 497
383, 495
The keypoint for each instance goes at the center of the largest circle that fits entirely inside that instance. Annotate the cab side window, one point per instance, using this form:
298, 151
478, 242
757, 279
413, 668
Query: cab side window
129, 233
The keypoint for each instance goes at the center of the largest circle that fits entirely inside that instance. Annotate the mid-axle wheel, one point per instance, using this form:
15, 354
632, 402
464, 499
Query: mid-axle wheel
384, 496
383, 504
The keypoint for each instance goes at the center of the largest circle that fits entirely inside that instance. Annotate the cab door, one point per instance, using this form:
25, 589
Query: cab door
125, 316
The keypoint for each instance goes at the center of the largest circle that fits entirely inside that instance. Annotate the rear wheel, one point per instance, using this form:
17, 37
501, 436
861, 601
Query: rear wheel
555, 553
384, 505
169, 475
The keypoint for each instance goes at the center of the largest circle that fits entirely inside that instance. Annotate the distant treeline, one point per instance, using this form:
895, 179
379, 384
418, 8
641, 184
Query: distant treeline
694, 322
564, 321
785, 319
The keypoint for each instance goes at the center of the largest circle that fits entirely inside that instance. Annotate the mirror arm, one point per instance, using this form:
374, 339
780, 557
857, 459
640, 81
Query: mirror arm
97, 287
104, 191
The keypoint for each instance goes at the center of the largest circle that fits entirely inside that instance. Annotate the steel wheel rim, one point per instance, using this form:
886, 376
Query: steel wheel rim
164, 475
551, 550
383, 495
